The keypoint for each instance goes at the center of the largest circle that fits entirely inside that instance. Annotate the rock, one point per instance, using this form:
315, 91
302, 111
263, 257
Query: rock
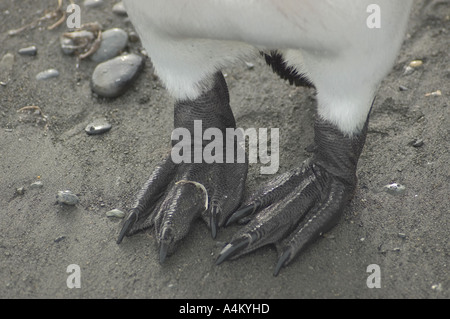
119, 9
115, 213
31, 50
37, 184
93, 3
97, 127
113, 42
47, 74
394, 189
112, 78
6, 65
67, 198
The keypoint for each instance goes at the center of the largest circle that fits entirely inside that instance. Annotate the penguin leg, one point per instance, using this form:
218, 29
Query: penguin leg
180, 191
294, 209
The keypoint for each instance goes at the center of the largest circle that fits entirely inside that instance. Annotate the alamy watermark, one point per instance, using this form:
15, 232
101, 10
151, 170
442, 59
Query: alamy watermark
196, 149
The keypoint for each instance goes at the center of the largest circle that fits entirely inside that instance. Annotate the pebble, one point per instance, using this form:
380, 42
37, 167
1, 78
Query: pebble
32, 50
416, 63
113, 42
36, 185
20, 191
119, 9
47, 74
93, 3
417, 143
115, 213
6, 65
394, 189
58, 239
97, 127
67, 198
112, 78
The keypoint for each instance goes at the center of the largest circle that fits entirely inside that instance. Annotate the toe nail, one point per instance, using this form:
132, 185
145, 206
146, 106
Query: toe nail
214, 222
232, 249
281, 261
126, 226
240, 213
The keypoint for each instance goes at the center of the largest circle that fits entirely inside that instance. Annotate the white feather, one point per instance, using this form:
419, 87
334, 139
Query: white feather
328, 40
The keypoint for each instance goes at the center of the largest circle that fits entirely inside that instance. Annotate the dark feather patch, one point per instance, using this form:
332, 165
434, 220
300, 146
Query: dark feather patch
279, 66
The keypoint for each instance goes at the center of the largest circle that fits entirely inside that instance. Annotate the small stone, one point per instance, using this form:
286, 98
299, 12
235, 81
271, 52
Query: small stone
93, 3
47, 74
97, 127
67, 198
113, 77
394, 189
249, 65
37, 184
31, 50
133, 36
401, 235
408, 70
115, 213
58, 239
119, 9
20, 191
6, 65
113, 42
403, 88
416, 63
417, 143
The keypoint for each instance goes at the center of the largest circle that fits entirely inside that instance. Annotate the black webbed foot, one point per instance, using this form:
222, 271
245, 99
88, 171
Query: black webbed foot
295, 208
178, 192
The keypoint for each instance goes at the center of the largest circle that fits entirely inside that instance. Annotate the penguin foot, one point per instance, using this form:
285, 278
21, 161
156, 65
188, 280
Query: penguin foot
177, 194
295, 208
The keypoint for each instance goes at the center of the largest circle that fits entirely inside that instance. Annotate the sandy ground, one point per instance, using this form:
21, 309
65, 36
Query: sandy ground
406, 235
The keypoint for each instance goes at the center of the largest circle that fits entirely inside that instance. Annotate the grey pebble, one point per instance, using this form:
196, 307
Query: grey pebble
97, 127
113, 42
36, 185
57, 240
417, 143
394, 189
47, 74
67, 198
31, 50
93, 3
113, 77
119, 9
6, 65
20, 191
115, 213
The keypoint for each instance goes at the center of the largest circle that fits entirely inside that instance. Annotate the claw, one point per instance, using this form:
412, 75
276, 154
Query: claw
281, 261
127, 226
214, 222
243, 212
232, 249
166, 239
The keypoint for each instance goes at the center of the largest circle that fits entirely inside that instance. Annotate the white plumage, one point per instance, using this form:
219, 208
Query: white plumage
328, 40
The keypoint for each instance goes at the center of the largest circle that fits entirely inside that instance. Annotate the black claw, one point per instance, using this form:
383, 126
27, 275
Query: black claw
127, 226
232, 249
281, 261
214, 222
163, 252
241, 213
166, 239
